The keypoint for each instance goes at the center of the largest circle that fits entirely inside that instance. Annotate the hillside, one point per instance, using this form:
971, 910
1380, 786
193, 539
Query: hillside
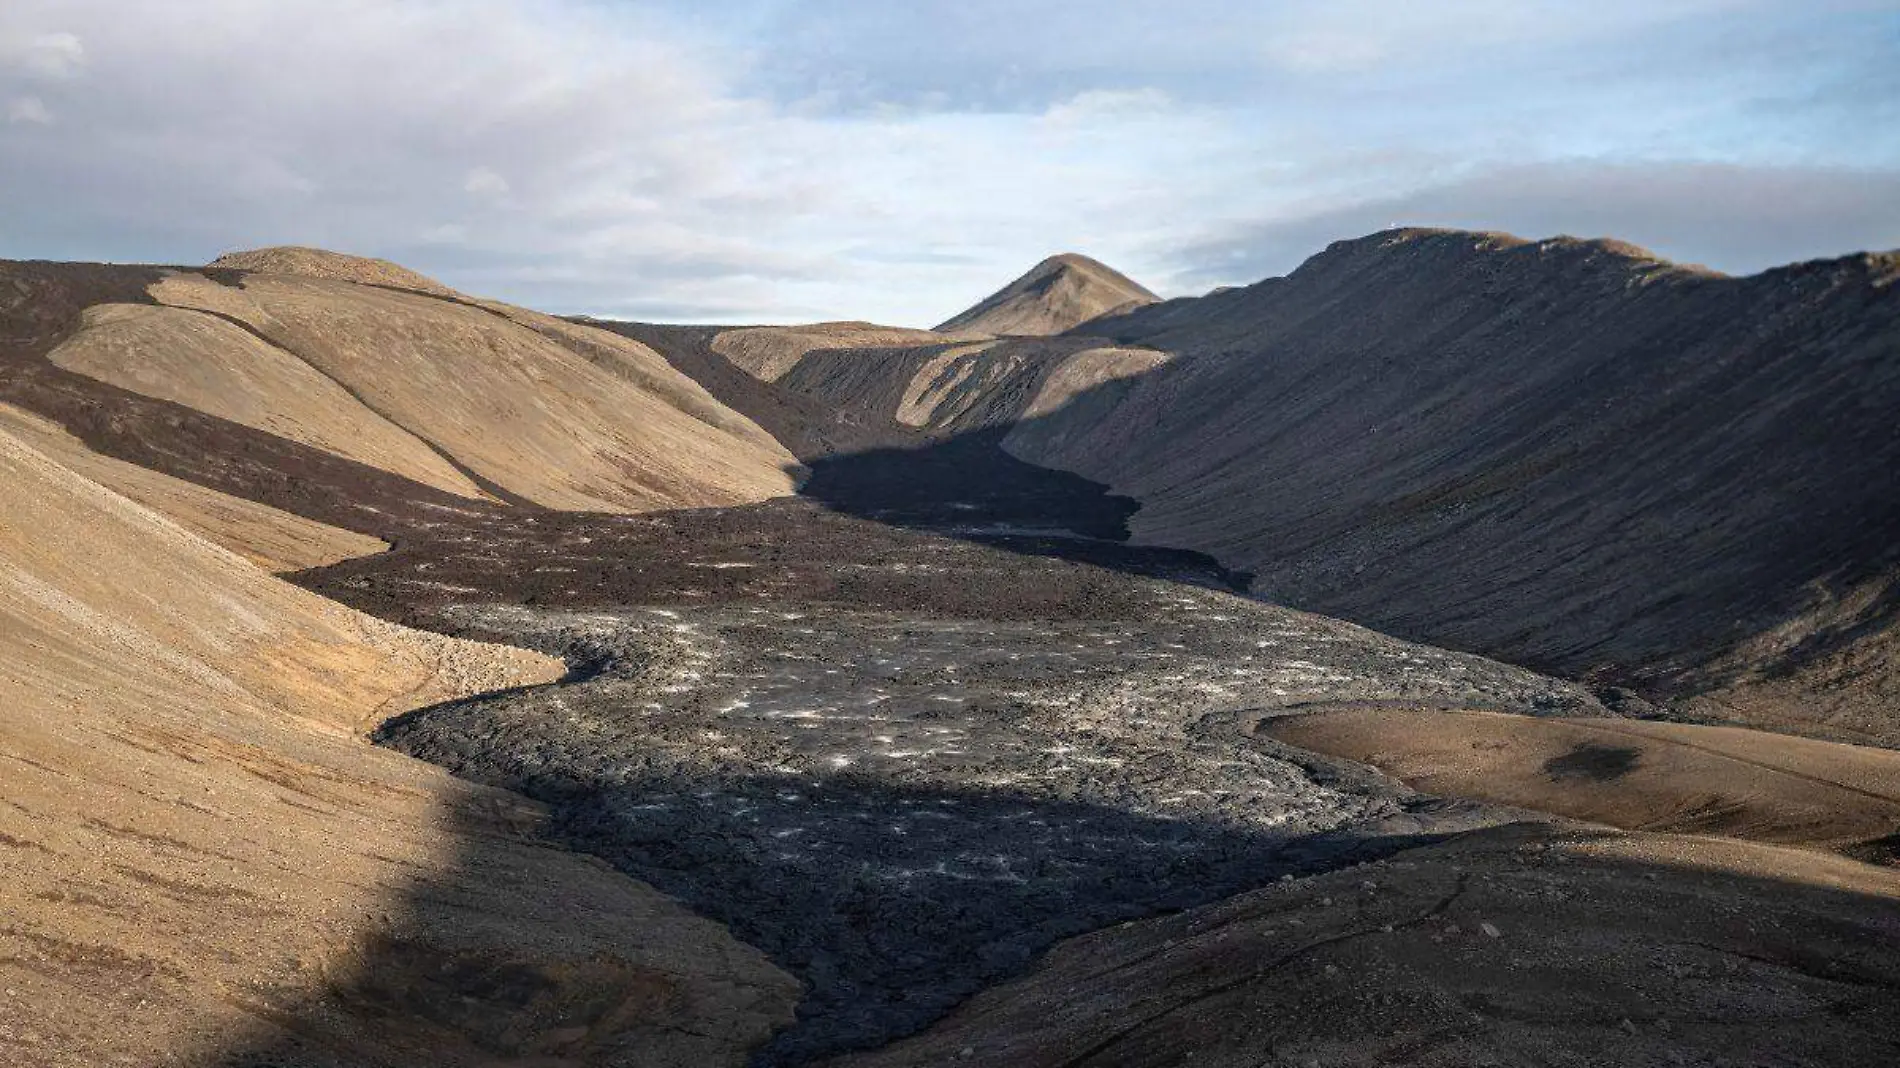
201, 857
768, 352
476, 400
322, 263
1519, 945
1567, 454
1058, 294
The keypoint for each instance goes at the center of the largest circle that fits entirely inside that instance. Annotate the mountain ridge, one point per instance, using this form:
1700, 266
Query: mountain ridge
1565, 452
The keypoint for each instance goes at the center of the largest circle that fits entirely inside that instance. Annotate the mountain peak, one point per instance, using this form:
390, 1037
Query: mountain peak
1056, 295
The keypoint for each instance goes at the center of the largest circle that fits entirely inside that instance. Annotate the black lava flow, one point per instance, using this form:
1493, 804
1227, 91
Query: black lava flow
906, 739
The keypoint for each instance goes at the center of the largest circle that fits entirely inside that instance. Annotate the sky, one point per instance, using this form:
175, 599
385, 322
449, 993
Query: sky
775, 161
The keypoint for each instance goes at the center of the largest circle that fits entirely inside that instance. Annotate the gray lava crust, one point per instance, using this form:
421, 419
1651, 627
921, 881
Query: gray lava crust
903, 805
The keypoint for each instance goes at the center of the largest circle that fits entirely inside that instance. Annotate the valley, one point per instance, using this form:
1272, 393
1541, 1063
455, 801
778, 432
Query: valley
850, 695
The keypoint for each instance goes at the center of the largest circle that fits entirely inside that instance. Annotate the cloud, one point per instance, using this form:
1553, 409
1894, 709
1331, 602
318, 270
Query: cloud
46, 56
1097, 105
484, 184
1328, 52
30, 110
834, 159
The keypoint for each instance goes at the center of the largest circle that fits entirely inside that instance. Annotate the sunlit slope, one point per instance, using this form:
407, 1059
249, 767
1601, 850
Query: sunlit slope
195, 846
466, 396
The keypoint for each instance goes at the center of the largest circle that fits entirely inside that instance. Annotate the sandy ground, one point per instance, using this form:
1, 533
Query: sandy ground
1632, 774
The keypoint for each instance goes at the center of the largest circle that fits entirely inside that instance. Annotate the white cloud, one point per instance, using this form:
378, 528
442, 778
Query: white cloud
29, 110
52, 56
1096, 105
650, 162
445, 234
1327, 51
484, 184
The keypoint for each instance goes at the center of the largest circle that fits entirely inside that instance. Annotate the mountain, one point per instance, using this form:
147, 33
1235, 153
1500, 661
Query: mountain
1058, 294
1564, 453
769, 352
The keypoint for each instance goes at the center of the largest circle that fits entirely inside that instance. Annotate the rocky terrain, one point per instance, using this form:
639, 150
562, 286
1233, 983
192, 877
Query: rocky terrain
983, 747
901, 763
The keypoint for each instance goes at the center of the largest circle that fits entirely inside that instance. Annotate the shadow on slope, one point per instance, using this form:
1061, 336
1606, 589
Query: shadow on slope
892, 902
1527, 944
515, 952
181, 441
966, 486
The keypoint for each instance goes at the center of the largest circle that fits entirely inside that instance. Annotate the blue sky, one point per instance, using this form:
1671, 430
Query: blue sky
770, 160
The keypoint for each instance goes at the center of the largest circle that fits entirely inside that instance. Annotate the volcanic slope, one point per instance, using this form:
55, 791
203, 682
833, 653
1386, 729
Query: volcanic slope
1563, 453
1531, 944
472, 398
1058, 294
202, 863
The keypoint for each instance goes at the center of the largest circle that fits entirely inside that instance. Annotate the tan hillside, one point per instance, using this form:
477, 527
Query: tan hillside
1057, 295
205, 362
198, 855
640, 366
1633, 774
320, 263
768, 352
957, 389
510, 404
948, 387
272, 539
